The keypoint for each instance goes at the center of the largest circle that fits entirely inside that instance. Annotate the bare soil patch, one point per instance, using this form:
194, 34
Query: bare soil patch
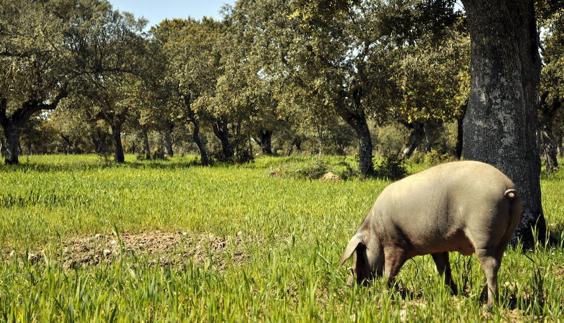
158, 247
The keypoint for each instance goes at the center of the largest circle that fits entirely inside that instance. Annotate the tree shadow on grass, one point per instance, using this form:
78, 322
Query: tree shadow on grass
90, 166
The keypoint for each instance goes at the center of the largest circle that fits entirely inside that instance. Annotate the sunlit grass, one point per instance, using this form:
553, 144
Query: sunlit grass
295, 228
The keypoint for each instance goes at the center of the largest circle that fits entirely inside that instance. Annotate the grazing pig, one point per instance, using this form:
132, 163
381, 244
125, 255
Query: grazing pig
464, 206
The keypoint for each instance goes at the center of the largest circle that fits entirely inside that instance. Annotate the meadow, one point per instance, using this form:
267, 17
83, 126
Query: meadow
83, 240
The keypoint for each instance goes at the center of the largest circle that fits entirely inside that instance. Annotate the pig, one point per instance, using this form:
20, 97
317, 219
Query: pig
465, 206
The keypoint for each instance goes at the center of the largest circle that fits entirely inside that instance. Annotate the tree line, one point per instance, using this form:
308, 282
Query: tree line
322, 76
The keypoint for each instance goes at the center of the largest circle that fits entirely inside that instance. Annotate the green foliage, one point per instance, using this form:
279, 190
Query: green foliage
391, 167
434, 157
390, 139
295, 231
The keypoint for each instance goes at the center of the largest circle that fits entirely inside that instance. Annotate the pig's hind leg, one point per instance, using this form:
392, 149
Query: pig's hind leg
443, 267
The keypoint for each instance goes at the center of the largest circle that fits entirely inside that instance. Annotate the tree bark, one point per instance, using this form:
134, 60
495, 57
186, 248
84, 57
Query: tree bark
265, 140
415, 137
548, 137
221, 131
146, 143
118, 146
12, 133
15, 122
460, 133
501, 121
168, 139
193, 118
359, 123
204, 157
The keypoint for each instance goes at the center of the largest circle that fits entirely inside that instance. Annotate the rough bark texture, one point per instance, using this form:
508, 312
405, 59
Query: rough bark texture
501, 122
118, 147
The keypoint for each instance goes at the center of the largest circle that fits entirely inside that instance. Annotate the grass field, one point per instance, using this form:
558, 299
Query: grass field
171, 241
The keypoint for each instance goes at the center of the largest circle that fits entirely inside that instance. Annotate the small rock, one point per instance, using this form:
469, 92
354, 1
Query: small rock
107, 252
113, 242
98, 236
330, 176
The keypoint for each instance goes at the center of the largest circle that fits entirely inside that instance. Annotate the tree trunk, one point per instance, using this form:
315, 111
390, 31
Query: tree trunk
415, 138
548, 137
359, 123
193, 118
459, 138
460, 132
12, 133
204, 158
222, 133
549, 150
560, 146
501, 121
265, 138
168, 139
118, 147
146, 143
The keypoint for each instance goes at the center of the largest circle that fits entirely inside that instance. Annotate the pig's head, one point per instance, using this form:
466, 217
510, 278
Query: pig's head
369, 258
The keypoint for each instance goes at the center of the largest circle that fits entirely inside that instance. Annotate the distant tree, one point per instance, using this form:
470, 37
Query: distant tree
112, 55
551, 114
36, 64
193, 55
432, 84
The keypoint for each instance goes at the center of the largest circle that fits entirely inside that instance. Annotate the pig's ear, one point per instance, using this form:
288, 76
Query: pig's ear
351, 247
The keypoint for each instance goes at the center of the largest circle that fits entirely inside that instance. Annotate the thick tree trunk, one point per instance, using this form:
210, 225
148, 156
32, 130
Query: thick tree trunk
415, 137
12, 133
359, 123
501, 121
221, 131
265, 140
118, 146
168, 140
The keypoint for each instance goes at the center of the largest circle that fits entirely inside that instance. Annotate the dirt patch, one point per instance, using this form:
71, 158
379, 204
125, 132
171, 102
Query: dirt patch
158, 247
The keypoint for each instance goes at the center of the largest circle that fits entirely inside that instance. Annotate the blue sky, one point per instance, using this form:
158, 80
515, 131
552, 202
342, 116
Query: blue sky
157, 10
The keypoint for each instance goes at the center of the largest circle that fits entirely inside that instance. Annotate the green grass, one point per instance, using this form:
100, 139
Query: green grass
295, 230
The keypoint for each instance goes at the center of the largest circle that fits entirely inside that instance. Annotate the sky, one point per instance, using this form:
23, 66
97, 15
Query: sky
157, 10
